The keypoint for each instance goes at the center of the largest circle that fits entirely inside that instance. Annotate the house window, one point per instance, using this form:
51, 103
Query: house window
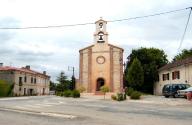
175, 75
31, 79
20, 81
165, 76
25, 79
35, 80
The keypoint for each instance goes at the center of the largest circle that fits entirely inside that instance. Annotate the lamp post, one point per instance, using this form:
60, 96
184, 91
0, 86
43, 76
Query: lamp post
72, 87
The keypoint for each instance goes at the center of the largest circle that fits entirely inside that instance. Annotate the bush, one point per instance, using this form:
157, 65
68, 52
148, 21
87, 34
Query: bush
81, 89
120, 97
6, 88
129, 91
104, 89
135, 95
113, 97
67, 93
59, 93
75, 94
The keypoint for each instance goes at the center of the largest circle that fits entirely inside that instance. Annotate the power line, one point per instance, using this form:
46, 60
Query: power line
81, 24
186, 26
151, 15
43, 27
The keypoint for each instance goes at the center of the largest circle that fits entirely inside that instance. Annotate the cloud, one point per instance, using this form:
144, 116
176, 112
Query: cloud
55, 49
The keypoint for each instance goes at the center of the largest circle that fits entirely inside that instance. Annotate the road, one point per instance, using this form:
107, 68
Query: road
52, 110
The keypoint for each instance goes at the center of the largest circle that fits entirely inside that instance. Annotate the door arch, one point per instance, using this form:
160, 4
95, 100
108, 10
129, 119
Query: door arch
100, 83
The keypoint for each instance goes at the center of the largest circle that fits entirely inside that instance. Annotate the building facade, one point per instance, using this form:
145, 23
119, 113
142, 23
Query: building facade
174, 73
101, 63
25, 80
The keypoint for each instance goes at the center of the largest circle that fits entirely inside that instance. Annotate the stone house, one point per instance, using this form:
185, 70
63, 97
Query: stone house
101, 63
25, 80
176, 72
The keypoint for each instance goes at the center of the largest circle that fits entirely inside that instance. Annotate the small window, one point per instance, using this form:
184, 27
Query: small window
175, 75
35, 80
165, 76
25, 79
31, 79
20, 81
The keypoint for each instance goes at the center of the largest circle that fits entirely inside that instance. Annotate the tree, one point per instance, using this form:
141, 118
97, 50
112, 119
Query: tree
52, 86
72, 85
184, 54
135, 75
63, 84
104, 89
151, 60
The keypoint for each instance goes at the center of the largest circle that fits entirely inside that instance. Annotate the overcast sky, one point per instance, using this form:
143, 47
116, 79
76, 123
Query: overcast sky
55, 49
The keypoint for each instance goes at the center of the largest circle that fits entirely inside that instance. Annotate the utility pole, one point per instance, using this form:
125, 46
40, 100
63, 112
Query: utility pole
72, 87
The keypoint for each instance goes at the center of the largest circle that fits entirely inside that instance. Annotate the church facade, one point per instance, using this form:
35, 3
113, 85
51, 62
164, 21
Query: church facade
101, 63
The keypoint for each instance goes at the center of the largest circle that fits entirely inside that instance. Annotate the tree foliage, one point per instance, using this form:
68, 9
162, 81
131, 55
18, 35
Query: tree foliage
6, 88
104, 89
151, 59
64, 83
52, 86
184, 54
135, 75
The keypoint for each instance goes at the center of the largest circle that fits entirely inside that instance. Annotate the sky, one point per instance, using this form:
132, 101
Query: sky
54, 49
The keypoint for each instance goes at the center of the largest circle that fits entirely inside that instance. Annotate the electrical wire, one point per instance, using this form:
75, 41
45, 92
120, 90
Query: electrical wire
81, 24
186, 26
151, 15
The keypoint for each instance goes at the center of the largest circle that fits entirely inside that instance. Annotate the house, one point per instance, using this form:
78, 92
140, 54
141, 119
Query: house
25, 80
101, 63
175, 72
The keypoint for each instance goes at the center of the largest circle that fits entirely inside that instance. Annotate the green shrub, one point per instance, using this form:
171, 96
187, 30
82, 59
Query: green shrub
58, 93
75, 94
129, 91
6, 89
120, 97
104, 89
67, 93
125, 96
81, 89
135, 95
113, 97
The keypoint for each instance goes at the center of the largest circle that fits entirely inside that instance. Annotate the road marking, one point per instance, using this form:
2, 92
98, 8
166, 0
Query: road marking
39, 105
14, 98
42, 113
58, 115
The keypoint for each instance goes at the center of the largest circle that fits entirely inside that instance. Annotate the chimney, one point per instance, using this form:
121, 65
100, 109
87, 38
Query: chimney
27, 67
44, 72
1, 64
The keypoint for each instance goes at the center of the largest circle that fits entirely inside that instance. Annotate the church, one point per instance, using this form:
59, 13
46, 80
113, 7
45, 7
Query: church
101, 63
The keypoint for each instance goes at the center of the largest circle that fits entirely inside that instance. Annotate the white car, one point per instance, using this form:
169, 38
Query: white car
184, 92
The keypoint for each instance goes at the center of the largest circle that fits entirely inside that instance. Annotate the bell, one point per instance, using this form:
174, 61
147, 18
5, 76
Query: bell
100, 38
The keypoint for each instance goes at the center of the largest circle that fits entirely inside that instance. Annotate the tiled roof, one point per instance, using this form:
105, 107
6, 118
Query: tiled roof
177, 63
23, 69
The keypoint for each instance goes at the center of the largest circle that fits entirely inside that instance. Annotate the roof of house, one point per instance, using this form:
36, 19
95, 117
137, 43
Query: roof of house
23, 69
177, 63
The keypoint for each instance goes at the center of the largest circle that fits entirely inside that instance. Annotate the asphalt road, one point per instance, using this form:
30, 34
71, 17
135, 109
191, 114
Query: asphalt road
51, 110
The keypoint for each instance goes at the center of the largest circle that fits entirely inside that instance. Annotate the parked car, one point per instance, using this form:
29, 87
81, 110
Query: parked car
172, 89
184, 92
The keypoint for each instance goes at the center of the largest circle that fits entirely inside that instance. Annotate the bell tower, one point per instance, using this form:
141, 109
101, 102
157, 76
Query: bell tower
101, 35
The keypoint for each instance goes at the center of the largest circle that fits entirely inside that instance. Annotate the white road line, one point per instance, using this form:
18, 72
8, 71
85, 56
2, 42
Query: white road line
43, 105
58, 115
43, 113
39, 105
14, 98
